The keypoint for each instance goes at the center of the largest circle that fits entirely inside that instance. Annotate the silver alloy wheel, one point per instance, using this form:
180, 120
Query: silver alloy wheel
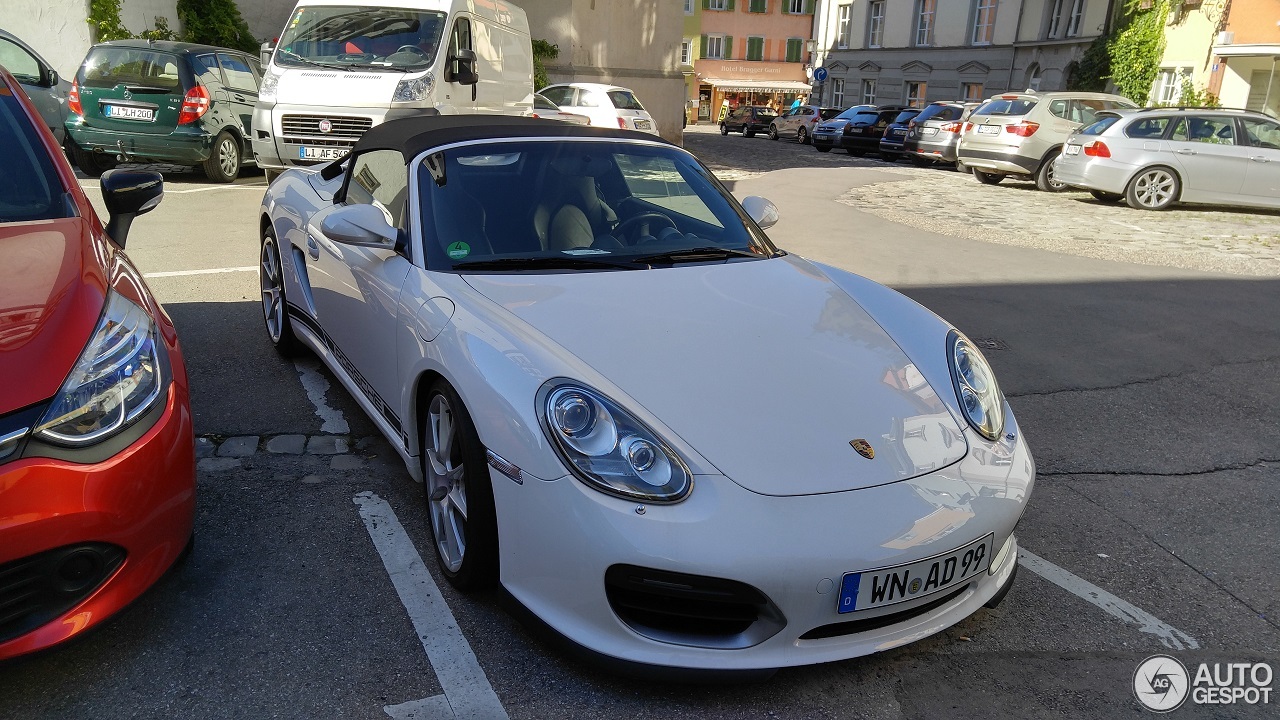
272, 283
446, 488
802, 136
1053, 178
1154, 188
229, 157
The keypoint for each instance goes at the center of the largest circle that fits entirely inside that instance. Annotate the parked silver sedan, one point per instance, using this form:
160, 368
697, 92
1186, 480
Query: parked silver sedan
1155, 157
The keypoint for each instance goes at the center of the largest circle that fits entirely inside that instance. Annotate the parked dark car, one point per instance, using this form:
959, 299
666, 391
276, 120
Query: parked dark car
827, 134
748, 120
862, 133
141, 101
47, 91
934, 134
896, 133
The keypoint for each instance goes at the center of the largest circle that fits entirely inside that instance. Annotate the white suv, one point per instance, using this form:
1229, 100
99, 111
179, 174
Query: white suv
1020, 134
607, 105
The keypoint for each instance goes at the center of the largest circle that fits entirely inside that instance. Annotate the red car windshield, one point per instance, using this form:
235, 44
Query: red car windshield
29, 186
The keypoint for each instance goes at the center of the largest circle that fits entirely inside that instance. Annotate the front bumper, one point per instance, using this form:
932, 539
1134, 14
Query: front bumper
826, 139
280, 150
139, 503
186, 145
559, 539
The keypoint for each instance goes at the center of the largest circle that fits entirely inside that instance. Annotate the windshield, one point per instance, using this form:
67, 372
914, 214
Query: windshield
940, 112
1006, 106
595, 205
851, 112
29, 188
364, 37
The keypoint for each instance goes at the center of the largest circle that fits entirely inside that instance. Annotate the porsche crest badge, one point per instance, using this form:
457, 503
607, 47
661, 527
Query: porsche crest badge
863, 447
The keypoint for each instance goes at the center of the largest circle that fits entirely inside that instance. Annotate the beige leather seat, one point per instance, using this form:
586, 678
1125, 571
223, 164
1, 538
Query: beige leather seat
574, 217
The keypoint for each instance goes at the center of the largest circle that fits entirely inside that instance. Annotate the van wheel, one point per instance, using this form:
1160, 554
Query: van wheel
1156, 188
987, 178
223, 164
1046, 179
91, 164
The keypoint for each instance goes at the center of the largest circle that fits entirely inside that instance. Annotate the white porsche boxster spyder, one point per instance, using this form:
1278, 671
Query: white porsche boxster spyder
671, 442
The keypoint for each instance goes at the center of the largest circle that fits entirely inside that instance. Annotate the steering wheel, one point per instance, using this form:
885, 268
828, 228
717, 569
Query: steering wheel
634, 221
411, 48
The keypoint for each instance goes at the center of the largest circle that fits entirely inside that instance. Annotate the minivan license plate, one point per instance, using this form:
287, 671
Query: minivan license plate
124, 112
321, 153
891, 585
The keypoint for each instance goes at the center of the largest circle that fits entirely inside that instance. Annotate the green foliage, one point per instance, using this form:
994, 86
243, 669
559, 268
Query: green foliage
216, 22
1194, 97
1135, 52
542, 49
160, 32
1093, 70
104, 18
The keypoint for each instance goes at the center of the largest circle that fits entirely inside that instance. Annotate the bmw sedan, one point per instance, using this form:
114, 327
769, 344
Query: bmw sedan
670, 441
97, 455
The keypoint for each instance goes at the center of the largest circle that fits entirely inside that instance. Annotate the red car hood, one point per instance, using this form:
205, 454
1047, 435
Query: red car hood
52, 288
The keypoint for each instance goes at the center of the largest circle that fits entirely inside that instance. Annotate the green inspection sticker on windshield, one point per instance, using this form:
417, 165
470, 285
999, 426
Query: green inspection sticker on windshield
458, 250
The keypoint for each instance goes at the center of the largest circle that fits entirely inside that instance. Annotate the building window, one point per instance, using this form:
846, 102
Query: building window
797, 7
924, 22
973, 92
758, 6
715, 47
837, 93
686, 51
755, 48
868, 92
715, 5
875, 24
688, 7
984, 22
843, 40
1055, 20
915, 94
1077, 14
795, 46
1169, 85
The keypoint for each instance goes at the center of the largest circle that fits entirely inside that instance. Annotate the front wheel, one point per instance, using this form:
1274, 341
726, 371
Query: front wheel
1046, 178
460, 507
802, 136
275, 311
1155, 188
1106, 197
773, 132
987, 178
223, 164
724, 129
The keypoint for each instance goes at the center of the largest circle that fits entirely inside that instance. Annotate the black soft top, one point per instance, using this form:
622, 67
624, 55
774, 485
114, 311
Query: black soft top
411, 135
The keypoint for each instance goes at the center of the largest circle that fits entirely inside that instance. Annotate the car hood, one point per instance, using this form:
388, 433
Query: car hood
766, 368
320, 87
54, 287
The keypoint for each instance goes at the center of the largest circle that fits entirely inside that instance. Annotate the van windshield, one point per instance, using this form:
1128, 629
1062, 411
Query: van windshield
360, 37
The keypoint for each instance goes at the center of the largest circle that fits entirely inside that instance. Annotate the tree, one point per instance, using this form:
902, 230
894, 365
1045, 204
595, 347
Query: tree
215, 22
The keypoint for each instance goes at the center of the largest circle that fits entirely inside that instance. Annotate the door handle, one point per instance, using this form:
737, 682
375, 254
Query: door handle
238, 97
313, 249
1259, 158
1185, 152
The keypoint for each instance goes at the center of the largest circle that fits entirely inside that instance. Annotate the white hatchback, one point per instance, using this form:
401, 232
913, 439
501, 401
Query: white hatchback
607, 105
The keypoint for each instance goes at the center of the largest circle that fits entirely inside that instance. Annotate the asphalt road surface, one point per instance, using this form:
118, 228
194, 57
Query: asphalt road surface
1150, 396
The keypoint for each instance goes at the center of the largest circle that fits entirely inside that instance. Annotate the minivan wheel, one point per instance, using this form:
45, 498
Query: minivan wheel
1046, 179
987, 178
223, 164
802, 136
1156, 188
90, 163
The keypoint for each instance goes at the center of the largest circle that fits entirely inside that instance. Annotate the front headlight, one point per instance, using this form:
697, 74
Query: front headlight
120, 374
975, 385
608, 448
414, 89
267, 88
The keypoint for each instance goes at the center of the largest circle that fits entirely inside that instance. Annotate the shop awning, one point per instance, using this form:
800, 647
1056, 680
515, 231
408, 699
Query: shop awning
782, 86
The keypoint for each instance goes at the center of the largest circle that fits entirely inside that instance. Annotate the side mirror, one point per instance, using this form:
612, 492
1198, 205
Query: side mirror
51, 78
362, 225
764, 212
462, 67
127, 194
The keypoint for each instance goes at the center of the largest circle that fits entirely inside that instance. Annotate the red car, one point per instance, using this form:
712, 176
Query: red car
97, 453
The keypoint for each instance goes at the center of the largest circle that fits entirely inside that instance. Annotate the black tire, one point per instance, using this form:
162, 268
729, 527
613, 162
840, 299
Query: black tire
773, 132
91, 164
821, 148
476, 567
1045, 180
748, 133
225, 159
275, 309
1106, 197
1142, 194
987, 178
802, 136
724, 129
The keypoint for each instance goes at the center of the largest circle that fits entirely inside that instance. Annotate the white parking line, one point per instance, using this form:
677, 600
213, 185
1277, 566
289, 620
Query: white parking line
1169, 636
210, 271
466, 688
314, 382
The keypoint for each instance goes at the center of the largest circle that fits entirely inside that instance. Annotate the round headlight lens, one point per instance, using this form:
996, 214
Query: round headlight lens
583, 422
975, 385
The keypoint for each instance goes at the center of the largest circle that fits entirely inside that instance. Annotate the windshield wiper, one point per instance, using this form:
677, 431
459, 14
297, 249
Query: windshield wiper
309, 61
542, 263
696, 255
375, 66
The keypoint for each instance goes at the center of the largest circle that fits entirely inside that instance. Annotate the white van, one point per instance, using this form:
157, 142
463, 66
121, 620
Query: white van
342, 66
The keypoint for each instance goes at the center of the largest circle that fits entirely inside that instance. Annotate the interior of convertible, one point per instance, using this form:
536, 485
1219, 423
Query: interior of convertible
586, 200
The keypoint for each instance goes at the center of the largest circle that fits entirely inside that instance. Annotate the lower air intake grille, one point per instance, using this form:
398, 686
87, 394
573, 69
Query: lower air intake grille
39, 588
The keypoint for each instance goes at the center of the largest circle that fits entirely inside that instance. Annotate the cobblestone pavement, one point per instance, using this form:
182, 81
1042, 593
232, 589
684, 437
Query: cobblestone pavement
1240, 242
